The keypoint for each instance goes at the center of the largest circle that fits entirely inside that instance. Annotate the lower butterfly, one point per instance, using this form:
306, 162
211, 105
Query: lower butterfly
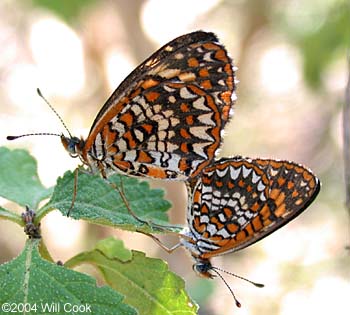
238, 201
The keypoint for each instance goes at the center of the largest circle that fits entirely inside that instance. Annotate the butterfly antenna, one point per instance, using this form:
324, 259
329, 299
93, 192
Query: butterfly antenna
238, 304
43, 133
33, 134
59, 117
259, 285
216, 270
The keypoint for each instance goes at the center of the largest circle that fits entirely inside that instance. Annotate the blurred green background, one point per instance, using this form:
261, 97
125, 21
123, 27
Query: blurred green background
293, 71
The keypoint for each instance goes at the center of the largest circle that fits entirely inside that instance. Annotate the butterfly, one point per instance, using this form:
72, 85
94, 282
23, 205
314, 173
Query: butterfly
236, 202
165, 119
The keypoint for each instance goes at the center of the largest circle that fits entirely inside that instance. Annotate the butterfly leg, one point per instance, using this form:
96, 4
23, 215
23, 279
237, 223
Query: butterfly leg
152, 225
169, 250
122, 195
75, 190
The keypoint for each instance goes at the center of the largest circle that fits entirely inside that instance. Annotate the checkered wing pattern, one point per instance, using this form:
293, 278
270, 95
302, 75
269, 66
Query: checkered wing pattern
238, 201
165, 120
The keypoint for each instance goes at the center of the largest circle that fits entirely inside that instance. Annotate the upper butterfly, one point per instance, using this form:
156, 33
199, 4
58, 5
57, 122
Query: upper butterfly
165, 119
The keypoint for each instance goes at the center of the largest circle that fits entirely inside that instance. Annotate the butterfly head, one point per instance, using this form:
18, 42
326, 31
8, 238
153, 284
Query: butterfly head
73, 145
202, 267
205, 269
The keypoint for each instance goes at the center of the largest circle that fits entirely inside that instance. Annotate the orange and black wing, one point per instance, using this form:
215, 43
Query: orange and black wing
165, 119
238, 201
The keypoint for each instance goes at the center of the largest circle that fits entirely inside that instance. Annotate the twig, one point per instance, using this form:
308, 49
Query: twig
346, 135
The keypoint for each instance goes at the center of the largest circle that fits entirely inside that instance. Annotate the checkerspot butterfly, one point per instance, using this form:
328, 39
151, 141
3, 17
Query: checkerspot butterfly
237, 201
165, 119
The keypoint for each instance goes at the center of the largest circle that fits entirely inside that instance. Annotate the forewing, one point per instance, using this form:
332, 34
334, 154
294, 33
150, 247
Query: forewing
165, 119
238, 201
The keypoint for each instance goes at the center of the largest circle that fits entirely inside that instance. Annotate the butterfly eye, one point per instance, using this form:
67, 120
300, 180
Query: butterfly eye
72, 144
202, 268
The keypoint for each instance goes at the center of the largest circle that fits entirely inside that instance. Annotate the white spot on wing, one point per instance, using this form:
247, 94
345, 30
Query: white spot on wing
206, 119
221, 82
185, 93
168, 88
172, 99
169, 73
188, 76
223, 233
207, 196
201, 132
262, 197
206, 189
130, 155
246, 171
261, 186
179, 56
222, 217
199, 104
163, 124
174, 121
234, 172
199, 148
255, 177
161, 146
242, 221
204, 219
138, 134
121, 144
140, 100
206, 247
273, 172
207, 56
232, 203
211, 228
136, 109
223, 172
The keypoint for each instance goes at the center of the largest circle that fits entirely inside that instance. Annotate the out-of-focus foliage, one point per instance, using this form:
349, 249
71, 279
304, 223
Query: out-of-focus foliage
67, 9
326, 43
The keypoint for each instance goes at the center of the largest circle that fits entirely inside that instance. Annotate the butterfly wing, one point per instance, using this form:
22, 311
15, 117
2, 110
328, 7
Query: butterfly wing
238, 201
165, 119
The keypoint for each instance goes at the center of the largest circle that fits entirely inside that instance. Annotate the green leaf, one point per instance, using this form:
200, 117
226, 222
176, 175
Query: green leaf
19, 181
8, 215
147, 283
98, 202
32, 280
114, 248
